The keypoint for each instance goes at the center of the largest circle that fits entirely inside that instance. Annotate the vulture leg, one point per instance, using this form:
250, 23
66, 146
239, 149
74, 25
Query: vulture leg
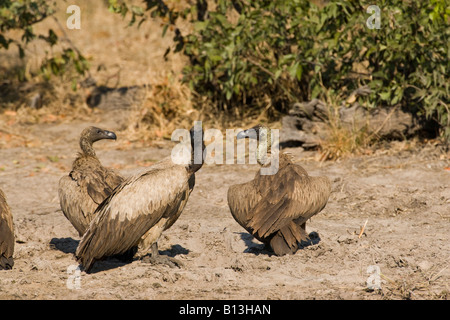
303, 233
156, 258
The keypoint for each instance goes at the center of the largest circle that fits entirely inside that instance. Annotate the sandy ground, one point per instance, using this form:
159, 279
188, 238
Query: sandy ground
403, 197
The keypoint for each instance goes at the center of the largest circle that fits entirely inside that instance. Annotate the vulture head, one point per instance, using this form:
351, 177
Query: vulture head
91, 135
263, 135
258, 132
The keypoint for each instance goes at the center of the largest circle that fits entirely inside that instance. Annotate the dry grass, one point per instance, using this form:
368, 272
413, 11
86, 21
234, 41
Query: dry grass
342, 141
418, 285
167, 106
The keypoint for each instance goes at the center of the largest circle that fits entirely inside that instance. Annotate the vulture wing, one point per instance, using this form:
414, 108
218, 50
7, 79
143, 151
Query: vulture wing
242, 198
131, 210
82, 191
99, 182
75, 203
289, 195
6, 235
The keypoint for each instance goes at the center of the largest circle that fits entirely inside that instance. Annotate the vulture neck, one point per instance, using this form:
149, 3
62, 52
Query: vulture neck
264, 151
196, 162
86, 147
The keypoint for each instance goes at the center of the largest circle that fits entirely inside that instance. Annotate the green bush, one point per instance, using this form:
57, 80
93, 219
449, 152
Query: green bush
22, 15
244, 53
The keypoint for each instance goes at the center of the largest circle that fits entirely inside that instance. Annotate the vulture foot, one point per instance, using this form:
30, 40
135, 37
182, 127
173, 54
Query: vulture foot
156, 258
164, 260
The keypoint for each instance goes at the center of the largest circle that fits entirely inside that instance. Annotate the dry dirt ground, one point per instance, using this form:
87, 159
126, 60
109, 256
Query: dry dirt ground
403, 197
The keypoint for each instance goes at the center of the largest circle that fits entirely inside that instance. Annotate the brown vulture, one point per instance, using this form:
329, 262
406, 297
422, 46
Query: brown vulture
141, 208
6, 235
274, 208
89, 183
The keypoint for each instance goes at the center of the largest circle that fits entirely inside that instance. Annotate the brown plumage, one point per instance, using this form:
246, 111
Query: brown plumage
139, 210
89, 183
275, 208
6, 235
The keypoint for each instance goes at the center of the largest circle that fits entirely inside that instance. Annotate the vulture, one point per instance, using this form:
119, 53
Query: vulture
274, 208
89, 183
141, 208
6, 235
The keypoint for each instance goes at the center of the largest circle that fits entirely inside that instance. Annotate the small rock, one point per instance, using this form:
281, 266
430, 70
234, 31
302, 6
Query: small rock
346, 239
425, 265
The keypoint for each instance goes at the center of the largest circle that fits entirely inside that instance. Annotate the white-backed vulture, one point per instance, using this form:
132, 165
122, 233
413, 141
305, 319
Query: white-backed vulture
274, 208
140, 209
89, 183
6, 235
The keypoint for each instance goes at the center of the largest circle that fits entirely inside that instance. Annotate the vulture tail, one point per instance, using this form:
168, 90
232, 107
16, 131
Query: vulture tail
286, 240
280, 246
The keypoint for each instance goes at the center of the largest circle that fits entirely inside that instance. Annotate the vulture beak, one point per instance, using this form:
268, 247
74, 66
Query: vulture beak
109, 135
249, 133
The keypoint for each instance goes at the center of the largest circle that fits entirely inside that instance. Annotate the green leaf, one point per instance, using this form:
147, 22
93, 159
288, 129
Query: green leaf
200, 26
278, 73
228, 94
385, 95
166, 26
299, 72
